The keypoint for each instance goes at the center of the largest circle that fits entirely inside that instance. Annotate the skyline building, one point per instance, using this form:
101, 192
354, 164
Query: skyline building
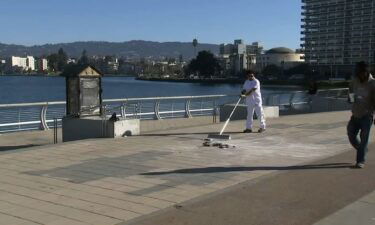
238, 56
282, 57
336, 34
19, 62
30, 63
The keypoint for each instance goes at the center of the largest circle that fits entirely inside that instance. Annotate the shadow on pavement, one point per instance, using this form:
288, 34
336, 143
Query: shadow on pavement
255, 168
14, 147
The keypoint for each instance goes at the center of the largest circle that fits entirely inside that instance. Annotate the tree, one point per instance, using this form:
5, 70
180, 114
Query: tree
302, 68
271, 70
2, 68
84, 60
53, 62
57, 61
109, 58
195, 44
62, 58
171, 60
205, 64
101, 64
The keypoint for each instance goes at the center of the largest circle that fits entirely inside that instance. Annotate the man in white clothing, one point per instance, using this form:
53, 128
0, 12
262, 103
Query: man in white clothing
251, 90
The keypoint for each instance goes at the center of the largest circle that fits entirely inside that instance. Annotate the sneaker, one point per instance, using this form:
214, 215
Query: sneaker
261, 130
247, 131
359, 165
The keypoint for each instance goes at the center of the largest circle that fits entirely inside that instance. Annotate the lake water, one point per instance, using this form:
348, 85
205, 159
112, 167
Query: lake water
24, 89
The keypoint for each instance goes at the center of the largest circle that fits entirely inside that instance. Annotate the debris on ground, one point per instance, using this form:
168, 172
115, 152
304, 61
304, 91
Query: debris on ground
209, 142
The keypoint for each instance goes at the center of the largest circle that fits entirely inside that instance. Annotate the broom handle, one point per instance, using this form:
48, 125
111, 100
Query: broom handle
226, 122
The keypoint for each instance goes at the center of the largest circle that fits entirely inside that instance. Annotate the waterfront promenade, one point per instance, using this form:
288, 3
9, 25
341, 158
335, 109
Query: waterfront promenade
298, 172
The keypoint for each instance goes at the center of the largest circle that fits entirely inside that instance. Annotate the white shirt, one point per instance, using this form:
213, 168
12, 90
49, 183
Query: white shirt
255, 97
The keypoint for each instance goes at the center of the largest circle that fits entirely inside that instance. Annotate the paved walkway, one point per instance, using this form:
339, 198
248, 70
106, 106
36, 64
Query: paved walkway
170, 178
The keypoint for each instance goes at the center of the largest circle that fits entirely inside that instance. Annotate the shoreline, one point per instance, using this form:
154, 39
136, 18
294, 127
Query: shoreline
207, 81
323, 84
284, 83
56, 75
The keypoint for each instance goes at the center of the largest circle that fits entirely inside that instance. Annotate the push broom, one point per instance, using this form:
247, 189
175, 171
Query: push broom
221, 135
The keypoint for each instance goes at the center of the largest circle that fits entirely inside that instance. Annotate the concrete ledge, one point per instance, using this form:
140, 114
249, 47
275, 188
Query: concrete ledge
241, 112
95, 127
165, 124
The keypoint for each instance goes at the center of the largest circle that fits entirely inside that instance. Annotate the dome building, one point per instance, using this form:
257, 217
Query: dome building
281, 56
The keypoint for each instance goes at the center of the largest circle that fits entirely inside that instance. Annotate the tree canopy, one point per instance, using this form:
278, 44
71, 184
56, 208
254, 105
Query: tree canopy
302, 68
205, 64
271, 70
57, 61
84, 60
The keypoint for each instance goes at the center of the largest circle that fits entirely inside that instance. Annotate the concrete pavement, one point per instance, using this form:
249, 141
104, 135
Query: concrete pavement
298, 172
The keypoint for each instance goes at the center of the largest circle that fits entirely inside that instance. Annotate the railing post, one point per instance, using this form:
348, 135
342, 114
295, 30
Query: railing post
268, 100
187, 109
140, 111
134, 111
274, 102
214, 113
19, 119
104, 121
123, 110
291, 101
156, 110
55, 130
172, 109
43, 114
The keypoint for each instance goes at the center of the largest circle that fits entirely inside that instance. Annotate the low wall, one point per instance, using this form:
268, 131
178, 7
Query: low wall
165, 124
95, 127
83, 128
241, 112
316, 104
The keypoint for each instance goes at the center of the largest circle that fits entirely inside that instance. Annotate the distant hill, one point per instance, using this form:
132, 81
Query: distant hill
136, 48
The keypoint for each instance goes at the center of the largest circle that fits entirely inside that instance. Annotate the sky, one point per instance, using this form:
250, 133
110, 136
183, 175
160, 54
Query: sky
273, 23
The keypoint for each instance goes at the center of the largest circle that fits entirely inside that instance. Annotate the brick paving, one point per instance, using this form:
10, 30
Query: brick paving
116, 181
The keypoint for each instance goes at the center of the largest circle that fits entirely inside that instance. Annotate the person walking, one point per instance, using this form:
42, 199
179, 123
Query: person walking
251, 91
362, 95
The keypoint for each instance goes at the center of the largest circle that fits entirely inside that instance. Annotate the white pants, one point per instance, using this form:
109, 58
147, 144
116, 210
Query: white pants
250, 114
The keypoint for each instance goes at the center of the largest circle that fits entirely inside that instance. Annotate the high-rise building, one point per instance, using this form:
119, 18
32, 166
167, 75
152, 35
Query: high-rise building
19, 62
30, 63
41, 65
237, 57
239, 47
226, 49
337, 34
26, 63
255, 48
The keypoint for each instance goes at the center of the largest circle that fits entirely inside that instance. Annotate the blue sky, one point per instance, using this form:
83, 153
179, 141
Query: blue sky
272, 22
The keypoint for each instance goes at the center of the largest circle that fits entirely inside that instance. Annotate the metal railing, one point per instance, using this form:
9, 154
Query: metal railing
324, 100
43, 115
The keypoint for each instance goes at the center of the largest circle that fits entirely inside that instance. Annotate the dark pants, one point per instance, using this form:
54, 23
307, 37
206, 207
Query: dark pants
362, 126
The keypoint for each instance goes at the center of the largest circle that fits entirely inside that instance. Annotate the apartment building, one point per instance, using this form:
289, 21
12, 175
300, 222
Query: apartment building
30, 63
336, 34
26, 63
237, 57
19, 62
41, 65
